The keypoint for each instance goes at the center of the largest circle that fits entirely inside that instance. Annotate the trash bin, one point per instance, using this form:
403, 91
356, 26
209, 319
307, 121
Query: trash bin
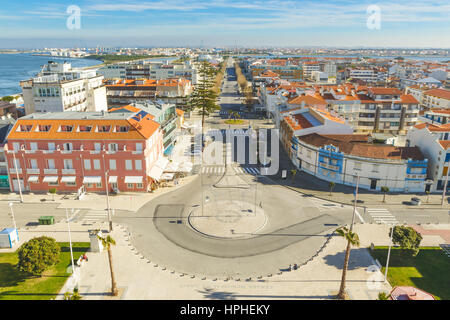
47, 220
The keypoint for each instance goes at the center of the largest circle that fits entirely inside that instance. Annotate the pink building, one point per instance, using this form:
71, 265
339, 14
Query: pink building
74, 151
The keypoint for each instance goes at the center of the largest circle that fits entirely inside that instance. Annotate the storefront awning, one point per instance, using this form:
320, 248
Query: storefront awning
52, 179
162, 163
112, 179
131, 179
185, 167
33, 178
167, 176
172, 167
70, 179
92, 180
155, 173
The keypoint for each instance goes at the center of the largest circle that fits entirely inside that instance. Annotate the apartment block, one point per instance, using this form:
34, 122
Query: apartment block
78, 152
60, 88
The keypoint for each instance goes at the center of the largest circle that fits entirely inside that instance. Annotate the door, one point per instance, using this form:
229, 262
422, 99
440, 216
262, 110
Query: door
16, 185
427, 187
373, 184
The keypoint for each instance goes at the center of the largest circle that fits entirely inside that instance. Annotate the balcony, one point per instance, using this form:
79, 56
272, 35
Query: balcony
416, 176
15, 171
50, 171
68, 171
33, 171
329, 166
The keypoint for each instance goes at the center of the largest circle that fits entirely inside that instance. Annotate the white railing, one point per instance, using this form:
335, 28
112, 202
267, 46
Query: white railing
68, 171
33, 171
50, 171
15, 171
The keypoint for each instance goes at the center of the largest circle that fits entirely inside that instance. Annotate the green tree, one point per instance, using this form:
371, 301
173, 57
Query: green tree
107, 242
352, 240
293, 173
72, 296
383, 296
7, 98
37, 255
203, 97
331, 186
52, 191
384, 190
407, 238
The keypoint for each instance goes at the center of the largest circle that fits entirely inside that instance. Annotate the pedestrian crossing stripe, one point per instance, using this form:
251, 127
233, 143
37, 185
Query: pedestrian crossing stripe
381, 215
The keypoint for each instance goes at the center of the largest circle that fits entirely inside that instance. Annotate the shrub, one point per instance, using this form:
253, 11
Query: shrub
37, 255
407, 238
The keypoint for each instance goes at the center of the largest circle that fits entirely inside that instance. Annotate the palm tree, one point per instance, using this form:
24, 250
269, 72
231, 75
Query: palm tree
352, 240
384, 190
331, 186
107, 242
293, 173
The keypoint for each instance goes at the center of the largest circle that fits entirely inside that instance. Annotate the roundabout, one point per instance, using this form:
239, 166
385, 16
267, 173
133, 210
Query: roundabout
235, 220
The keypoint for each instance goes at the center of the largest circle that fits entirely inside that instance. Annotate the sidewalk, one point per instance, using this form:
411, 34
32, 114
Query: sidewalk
308, 184
138, 278
125, 201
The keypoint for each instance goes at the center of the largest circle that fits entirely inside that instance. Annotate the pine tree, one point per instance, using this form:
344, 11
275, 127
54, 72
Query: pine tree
204, 97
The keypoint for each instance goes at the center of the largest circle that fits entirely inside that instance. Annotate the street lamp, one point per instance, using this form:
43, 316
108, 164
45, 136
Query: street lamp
445, 187
12, 214
17, 174
389, 254
107, 201
355, 201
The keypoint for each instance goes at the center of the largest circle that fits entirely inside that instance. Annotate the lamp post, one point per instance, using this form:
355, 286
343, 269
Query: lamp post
107, 201
355, 201
17, 175
389, 254
445, 187
12, 214
70, 242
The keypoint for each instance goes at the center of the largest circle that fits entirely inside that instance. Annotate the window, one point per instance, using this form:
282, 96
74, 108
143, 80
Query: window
68, 164
33, 164
87, 164
44, 128
357, 165
138, 164
130, 186
68, 146
51, 183
14, 163
112, 164
65, 128
113, 147
33, 146
96, 164
375, 168
16, 146
69, 184
51, 146
138, 146
97, 146
104, 128
51, 163
139, 185
122, 129
84, 128
129, 164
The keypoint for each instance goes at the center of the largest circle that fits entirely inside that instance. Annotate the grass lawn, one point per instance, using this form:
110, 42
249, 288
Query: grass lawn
428, 271
14, 285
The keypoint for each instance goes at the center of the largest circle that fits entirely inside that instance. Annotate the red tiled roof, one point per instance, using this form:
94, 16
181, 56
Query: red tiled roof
354, 146
440, 93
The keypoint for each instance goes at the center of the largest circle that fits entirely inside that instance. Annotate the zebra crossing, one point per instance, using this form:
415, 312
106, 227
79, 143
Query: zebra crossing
381, 215
248, 170
213, 170
93, 216
446, 249
221, 169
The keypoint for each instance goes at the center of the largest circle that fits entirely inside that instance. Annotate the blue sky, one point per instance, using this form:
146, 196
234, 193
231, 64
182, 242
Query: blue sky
29, 23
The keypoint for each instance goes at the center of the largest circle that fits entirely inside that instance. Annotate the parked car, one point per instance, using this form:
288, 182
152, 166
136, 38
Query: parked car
416, 201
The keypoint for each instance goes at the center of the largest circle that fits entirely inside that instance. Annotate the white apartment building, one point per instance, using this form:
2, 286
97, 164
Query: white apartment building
342, 158
367, 75
60, 88
436, 98
434, 142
